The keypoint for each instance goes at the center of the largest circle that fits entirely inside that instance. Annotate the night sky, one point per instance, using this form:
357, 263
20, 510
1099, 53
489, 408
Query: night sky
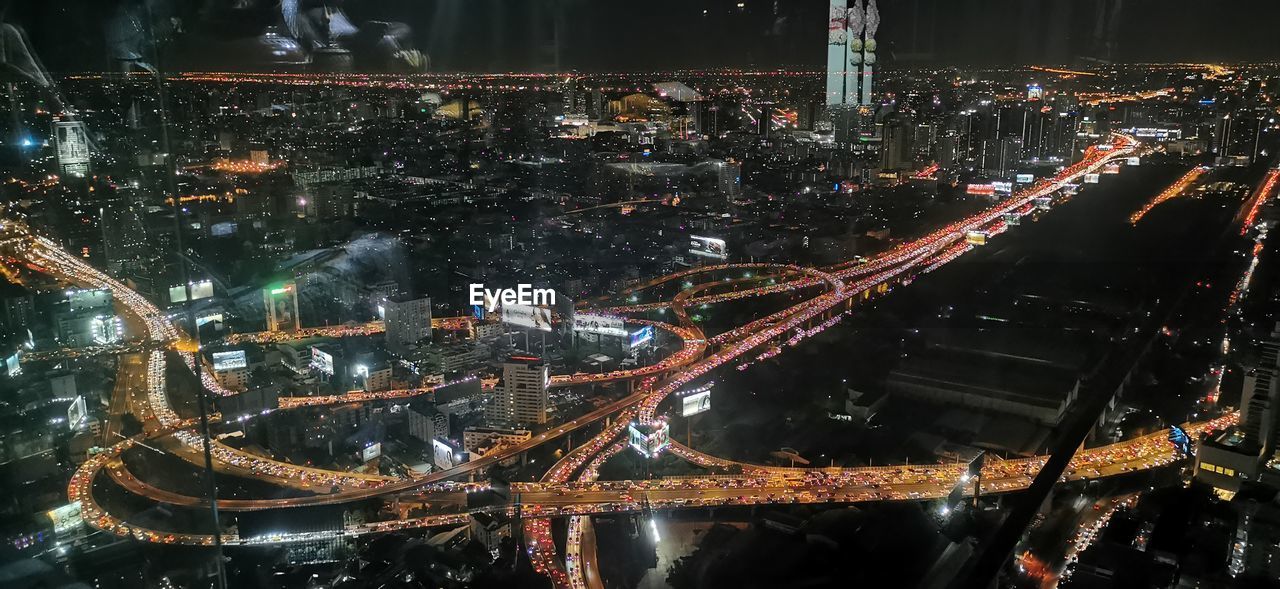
490, 35
619, 35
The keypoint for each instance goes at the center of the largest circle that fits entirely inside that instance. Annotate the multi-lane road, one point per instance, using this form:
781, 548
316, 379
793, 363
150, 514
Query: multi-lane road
141, 391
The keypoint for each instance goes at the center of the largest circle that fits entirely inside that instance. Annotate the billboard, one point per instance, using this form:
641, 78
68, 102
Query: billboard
1180, 440
282, 307
640, 336
66, 518
1133, 161
202, 320
223, 361
199, 290
707, 246
1111, 169
222, 229
695, 403
77, 414
445, 455
600, 324
106, 329
1026, 178
980, 189
1092, 178
72, 144
1002, 187
649, 439
321, 361
975, 238
12, 365
526, 316
371, 451
1155, 133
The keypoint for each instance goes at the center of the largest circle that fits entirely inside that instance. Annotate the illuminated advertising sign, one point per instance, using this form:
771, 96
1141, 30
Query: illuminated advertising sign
199, 290
223, 361
1026, 178
1092, 178
980, 189
526, 316
1180, 440
708, 246
12, 366
1133, 161
371, 451
445, 455
640, 336
72, 144
66, 519
222, 229
649, 439
77, 414
1111, 169
106, 329
695, 403
321, 361
1002, 187
600, 324
202, 320
975, 238
1155, 133
282, 307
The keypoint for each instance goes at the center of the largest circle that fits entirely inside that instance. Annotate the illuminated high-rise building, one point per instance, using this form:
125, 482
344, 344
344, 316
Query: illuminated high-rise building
123, 232
851, 51
872, 20
896, 144
1261, 395
521, 398
408, 322
837, 45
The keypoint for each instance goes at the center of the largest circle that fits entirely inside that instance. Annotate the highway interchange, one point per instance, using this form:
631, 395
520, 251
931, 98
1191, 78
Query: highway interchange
570, 487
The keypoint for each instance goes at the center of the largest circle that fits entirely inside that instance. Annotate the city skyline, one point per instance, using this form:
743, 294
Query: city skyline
964, 300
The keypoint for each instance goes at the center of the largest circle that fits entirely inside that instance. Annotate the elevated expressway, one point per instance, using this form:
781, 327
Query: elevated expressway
557, 495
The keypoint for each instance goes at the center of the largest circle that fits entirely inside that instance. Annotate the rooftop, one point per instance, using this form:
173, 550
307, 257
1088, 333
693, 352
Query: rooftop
1013, 381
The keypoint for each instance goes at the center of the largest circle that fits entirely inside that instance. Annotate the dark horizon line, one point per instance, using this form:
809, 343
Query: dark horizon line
797, 69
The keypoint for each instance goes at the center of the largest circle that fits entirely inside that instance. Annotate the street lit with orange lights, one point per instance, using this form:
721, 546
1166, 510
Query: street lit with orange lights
557, 495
